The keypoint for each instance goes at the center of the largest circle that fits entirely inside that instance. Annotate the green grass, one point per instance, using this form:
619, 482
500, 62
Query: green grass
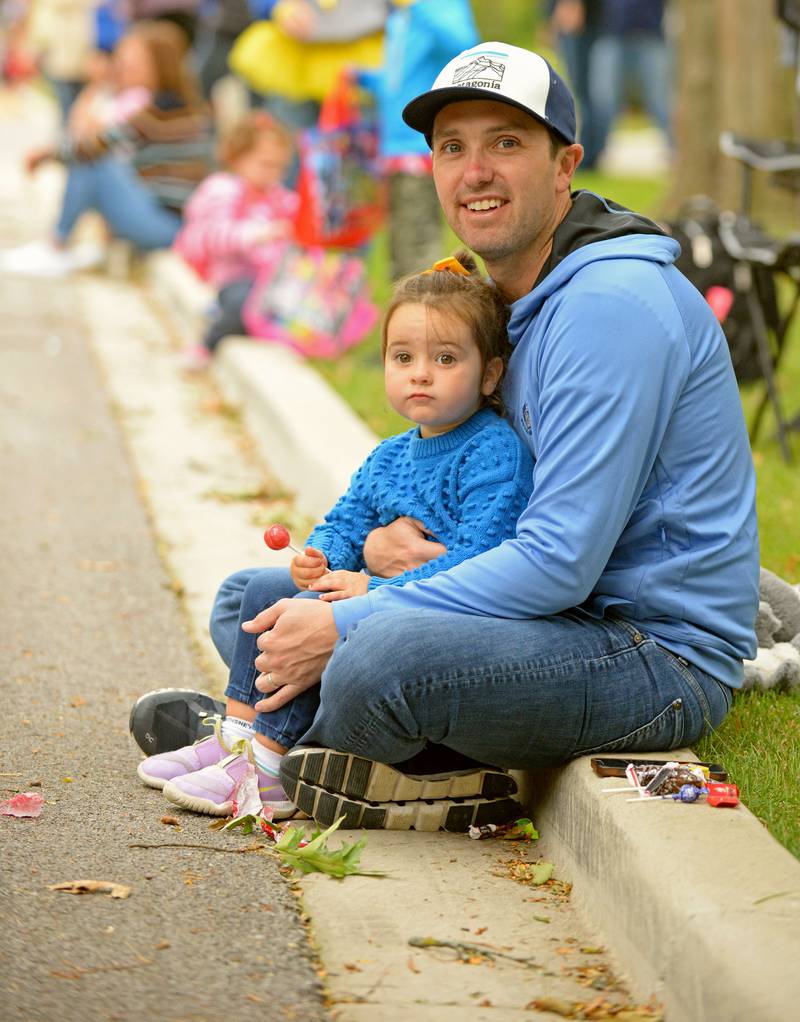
759, 743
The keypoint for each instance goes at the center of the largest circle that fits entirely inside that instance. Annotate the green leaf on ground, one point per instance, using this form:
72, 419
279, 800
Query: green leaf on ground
316, 857
541, 872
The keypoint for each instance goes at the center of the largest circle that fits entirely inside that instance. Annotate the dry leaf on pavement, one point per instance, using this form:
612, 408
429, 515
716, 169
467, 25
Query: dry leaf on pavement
92, 887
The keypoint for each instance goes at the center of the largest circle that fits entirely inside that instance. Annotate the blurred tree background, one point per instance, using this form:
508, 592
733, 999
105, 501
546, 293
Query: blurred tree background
735, 71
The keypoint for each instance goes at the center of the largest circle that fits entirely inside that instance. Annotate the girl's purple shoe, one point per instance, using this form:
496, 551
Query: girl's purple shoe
155, 771
212, 790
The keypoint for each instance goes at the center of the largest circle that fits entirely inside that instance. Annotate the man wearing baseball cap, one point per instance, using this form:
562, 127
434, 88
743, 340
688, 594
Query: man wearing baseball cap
619, 615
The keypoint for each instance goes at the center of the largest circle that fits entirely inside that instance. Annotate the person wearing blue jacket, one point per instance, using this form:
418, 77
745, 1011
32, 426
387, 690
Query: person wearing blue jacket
618, 616
421, 36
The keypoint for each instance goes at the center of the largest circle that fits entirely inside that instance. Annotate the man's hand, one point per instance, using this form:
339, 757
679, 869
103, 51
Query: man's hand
400, 546
341, 585
308, 567
296, 644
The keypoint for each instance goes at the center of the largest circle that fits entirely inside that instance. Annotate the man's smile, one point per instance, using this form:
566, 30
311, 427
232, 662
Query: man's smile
484, 204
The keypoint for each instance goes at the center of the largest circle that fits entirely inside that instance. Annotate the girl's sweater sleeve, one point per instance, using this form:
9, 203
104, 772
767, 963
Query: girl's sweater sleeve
342, 533
494, 480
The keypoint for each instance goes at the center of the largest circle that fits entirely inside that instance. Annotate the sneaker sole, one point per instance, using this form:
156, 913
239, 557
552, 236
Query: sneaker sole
326, 807
280, 810
169, 718
366, 780
151, 782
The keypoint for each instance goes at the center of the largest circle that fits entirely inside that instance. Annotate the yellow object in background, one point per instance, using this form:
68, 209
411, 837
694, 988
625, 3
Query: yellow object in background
272, 63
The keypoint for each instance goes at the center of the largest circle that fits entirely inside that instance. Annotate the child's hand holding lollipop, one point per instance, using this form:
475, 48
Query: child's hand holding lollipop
307, 566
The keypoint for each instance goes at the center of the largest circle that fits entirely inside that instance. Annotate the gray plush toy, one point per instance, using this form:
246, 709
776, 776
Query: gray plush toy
777, 663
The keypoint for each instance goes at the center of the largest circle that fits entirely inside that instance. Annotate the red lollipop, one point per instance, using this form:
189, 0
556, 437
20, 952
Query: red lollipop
277, 537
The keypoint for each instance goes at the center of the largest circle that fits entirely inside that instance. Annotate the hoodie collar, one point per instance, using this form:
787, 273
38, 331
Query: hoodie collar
594, 229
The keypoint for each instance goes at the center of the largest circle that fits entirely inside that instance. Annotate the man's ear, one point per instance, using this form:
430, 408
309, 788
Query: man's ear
492, 375
568, 160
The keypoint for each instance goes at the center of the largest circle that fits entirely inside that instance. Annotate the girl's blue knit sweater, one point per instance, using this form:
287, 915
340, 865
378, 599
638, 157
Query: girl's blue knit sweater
467, 486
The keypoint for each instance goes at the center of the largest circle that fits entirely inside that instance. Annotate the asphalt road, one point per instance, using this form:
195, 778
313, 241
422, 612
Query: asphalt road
88, 621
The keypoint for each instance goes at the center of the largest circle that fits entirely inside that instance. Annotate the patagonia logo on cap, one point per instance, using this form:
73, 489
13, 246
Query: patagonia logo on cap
483, 72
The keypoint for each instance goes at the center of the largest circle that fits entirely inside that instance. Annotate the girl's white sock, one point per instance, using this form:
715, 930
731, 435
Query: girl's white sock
234, 729
267, 761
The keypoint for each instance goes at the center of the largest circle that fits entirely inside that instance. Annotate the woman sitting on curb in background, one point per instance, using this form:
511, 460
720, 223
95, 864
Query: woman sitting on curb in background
138, 171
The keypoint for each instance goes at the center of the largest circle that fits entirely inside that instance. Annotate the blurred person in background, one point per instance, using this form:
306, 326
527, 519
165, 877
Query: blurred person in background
237, 221
292, 59
628, 54
574, 27
219, 23
60, 34
138, 171
421, 36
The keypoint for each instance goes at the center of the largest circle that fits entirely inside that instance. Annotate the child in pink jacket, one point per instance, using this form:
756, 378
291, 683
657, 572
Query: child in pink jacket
237, 221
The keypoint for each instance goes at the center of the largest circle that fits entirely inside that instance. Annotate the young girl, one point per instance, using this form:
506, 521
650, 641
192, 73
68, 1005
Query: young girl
237, 221
137, 171
462, 471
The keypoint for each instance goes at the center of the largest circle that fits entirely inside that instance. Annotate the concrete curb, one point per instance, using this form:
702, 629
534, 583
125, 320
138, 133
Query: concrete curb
701, 905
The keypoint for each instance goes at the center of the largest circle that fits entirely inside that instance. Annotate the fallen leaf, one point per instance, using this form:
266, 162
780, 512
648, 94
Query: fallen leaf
542, 919
592, 950
541, 872
27, 804
412, 965
170, 821
92, 887
254, 998
352, 967
77, 701
480, 930
162, 945
553, 1004
565, 950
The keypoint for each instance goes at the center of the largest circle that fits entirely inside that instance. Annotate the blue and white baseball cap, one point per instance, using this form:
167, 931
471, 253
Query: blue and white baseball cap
507, 74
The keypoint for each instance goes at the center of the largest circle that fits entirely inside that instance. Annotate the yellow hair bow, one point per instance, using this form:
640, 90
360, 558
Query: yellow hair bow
451, 264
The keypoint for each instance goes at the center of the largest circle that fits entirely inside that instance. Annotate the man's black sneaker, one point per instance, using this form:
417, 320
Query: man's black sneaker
170, 718
326, 784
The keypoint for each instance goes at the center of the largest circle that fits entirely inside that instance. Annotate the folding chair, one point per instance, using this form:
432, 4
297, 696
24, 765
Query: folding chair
751, 247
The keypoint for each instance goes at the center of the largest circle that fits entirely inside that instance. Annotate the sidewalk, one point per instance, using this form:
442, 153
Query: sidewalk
698, 906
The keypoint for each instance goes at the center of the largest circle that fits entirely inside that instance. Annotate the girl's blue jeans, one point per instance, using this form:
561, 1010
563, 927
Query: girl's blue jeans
516, 694
115, 190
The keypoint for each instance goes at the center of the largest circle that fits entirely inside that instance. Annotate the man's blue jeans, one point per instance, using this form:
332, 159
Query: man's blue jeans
516, 694
115, 190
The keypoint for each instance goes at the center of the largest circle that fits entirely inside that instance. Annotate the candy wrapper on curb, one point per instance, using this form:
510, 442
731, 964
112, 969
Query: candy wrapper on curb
680, 782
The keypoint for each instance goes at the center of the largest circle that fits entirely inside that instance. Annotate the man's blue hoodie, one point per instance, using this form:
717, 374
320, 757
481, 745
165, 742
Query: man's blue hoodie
643, 501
